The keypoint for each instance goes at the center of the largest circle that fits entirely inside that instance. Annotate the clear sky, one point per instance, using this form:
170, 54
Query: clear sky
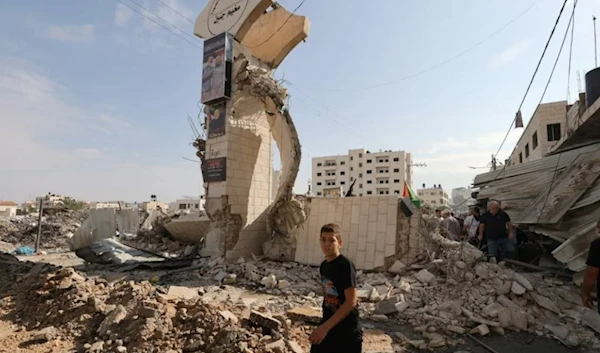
94, 98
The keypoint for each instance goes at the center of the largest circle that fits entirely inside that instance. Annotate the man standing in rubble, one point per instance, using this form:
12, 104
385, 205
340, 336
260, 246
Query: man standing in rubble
591, 272
495, 224
451, 226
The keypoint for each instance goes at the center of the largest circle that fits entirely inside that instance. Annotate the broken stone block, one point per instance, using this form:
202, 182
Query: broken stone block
378, 317
522, 281
517, 289
560, 331
518, 319
482, 330
305, 314
283, 284
498, 330
481, 270
505, 318
294, 347
424, 276
184, 293
387, 307
400, 307
572, 340
269, 281
545, 303
115, 317
456, 329
374, 295
230, 278
397, 267
229, 316
504, 289
263, 320
45, 335
277, 345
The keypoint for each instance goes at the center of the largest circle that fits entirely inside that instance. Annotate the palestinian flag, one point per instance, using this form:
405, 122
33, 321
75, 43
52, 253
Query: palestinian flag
408, 192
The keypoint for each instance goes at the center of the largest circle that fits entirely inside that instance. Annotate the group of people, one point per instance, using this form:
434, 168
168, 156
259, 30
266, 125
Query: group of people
492, 230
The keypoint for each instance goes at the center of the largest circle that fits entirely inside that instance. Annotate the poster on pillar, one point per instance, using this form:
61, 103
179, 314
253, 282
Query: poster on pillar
217, 116
214, 170
216, 68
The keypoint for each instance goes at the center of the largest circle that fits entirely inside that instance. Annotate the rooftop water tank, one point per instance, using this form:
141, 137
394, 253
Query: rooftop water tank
592, 86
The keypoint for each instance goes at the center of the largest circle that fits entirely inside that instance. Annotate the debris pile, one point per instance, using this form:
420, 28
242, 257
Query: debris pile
133, 317
56, 229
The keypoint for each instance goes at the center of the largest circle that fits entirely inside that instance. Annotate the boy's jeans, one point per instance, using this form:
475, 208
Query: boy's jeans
507, 245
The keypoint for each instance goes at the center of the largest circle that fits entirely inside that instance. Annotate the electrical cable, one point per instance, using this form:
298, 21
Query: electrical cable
177, 12
534, 74
280, 27
160, 24
555, 173
165, 21
442, 63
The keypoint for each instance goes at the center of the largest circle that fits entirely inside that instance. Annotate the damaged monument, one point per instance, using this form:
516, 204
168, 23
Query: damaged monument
244, 107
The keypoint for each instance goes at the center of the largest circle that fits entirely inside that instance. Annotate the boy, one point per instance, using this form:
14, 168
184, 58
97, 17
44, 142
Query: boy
339, 331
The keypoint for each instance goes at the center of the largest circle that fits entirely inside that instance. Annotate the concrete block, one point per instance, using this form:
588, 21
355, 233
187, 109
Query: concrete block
373, 213
370, 253
390, 236
382, 223
389, 250
362, 243
352, 248
360, 259
363, 226
382, 205
371, 232
380, 243
355, 214
354, 234
379, 259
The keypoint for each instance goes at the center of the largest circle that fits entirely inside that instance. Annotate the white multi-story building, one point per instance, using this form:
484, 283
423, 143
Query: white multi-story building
374, 173
435, 196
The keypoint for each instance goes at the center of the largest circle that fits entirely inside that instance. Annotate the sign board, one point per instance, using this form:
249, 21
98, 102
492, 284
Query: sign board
217, 118
214, 170
216, 68
231, 16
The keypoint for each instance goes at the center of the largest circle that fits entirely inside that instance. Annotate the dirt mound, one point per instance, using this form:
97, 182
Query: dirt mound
125, 316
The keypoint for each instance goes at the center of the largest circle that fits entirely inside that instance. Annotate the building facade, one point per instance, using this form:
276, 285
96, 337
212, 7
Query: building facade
8, 209
373, 173
193, 204
434, 196
543, 131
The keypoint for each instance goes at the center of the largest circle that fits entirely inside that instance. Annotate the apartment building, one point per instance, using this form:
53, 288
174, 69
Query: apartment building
545, 128
434, 196
375, 173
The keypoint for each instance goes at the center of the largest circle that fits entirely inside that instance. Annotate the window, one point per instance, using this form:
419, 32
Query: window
441, 201
360, 155
318, 174
360, 175
369, 193
319, 164
553, 132
319, 193
396, 159
182, 206
351, 178
351, 169
369, 181
342, 173
360, 165
534, 141
360, 186
342, 183
359, 194
526, 150
521, 157
342, 163
397, 192
369, 171
319, 183
369, 161
396, 170
197, 206
396, 181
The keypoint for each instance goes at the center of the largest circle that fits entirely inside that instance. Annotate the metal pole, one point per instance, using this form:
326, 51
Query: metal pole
39, 235
595, 45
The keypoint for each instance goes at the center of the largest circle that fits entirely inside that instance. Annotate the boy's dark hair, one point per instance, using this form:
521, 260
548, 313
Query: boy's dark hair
332, 228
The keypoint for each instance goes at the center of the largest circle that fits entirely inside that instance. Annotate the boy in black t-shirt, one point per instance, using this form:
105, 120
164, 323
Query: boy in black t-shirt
339, 331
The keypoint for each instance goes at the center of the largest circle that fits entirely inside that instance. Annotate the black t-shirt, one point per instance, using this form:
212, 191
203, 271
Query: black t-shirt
337, 276
495, 225
593, 259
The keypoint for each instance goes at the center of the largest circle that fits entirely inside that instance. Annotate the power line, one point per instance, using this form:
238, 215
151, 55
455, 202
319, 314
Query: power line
160, 24
534, 74
279, 29
165, 21
443, 62
177, 12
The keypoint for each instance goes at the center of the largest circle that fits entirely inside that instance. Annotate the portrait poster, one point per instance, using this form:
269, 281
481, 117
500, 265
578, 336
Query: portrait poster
216, 68
214, 170
217, 118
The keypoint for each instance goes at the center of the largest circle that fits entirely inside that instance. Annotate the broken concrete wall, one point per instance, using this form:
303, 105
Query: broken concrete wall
369, 229
411, 243
101, 224
237, 207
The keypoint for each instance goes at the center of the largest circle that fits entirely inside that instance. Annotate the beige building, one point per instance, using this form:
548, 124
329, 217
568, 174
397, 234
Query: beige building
543, 131
51, 200
434, 196
108, 204
8, 209
378, 173
188, 203
153, 205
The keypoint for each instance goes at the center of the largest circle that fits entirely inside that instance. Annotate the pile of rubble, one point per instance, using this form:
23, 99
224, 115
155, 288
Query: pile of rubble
56, 229
456, 293
133, 317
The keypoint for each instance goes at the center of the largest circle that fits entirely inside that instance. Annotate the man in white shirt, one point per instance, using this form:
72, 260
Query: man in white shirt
472, 224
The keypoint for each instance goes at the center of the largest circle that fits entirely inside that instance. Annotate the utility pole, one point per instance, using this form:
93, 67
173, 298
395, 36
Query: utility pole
595, 44
39, 234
